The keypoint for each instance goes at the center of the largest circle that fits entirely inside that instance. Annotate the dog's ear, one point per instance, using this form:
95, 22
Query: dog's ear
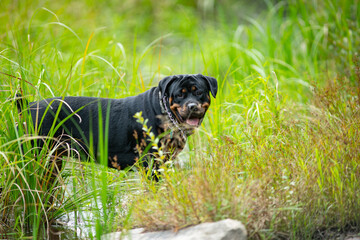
165, 83
212, 82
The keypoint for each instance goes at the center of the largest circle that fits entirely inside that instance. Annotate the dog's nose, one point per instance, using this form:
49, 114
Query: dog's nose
192, 106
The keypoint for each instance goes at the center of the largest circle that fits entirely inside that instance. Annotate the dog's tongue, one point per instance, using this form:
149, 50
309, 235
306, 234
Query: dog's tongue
193, 121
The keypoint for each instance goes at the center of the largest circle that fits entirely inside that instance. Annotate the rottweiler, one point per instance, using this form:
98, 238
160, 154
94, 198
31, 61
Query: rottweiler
174, 109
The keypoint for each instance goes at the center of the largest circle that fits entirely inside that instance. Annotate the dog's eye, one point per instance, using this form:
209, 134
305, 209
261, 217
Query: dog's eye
199, 93
179, 95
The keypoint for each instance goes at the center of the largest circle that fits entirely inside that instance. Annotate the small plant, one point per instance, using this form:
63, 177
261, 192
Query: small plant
151, 149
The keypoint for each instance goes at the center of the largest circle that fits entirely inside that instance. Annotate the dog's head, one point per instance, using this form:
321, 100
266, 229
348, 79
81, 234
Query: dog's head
187, 97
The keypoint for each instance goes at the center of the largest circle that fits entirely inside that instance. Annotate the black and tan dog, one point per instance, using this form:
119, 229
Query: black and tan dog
176, 106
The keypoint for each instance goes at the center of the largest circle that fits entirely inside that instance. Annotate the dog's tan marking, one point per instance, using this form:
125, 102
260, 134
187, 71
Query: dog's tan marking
205, 105
183, 90
174, 108
193, 88
182, 110
135, 134
170, 100
114, 162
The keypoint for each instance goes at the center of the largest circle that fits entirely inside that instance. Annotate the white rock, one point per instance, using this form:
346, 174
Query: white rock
227, 229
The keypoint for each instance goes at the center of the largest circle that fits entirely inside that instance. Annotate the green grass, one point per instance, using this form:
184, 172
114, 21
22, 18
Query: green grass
278, 150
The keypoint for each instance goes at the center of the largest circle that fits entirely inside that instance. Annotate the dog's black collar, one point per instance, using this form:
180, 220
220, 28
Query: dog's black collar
174, 122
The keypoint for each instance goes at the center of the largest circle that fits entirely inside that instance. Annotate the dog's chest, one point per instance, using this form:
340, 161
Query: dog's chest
172, 144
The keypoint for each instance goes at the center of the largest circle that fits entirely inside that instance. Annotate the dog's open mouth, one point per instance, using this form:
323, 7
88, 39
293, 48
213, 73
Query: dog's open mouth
193, 121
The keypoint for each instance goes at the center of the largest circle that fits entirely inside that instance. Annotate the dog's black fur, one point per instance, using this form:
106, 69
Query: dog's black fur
177, 105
